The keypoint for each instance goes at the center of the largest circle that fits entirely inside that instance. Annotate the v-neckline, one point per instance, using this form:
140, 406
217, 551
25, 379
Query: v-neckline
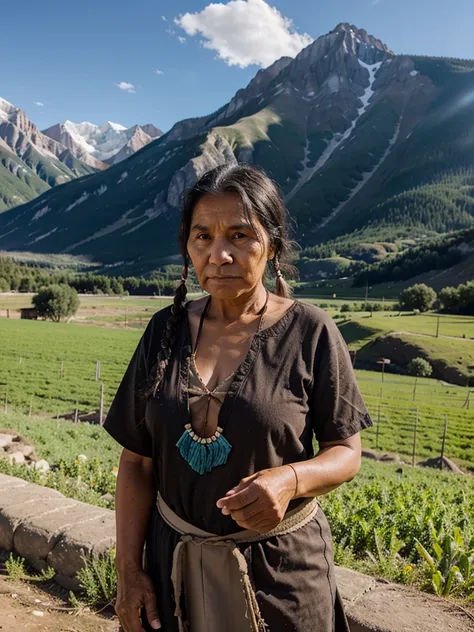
240, 373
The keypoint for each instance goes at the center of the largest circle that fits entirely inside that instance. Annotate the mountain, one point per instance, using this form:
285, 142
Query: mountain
367, 146
103, 145
30, 162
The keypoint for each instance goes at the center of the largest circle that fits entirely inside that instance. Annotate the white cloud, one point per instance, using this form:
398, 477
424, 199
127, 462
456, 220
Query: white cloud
38, 103
163, 18
245, 32
181, 39
158, 72
126, 87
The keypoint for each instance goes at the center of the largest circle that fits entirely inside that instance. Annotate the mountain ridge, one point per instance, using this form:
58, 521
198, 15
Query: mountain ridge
363, 143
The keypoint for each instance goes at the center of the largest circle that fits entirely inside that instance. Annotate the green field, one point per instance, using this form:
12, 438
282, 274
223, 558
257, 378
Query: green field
31, 355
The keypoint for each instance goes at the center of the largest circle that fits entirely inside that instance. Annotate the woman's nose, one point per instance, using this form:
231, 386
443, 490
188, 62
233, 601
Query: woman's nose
220, 253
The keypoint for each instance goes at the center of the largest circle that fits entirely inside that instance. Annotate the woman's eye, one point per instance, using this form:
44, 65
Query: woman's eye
203, 236
239, 235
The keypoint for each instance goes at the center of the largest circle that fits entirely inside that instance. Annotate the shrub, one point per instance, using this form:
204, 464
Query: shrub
346, 308
4, 285
419, 367
56, 302
419, 296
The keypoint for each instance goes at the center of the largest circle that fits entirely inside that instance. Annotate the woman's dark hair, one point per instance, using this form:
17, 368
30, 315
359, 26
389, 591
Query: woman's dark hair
261, 198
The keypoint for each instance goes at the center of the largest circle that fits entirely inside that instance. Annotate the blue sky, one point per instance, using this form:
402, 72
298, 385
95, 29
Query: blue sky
72, 57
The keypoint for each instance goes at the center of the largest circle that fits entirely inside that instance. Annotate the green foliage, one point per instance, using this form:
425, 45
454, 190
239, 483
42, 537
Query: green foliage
450, 565
378, 522
434, 254
98, 579
56, 302
458, 300
15, 567
4, 285
419, 367
419, 296
345, 308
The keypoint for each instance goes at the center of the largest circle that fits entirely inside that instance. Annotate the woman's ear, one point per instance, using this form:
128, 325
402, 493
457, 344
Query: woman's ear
271, 253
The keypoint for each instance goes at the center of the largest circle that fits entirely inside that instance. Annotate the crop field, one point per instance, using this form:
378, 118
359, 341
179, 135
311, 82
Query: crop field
33, 353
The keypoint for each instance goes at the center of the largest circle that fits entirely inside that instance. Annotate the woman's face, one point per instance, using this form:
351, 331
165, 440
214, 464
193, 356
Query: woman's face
228, 255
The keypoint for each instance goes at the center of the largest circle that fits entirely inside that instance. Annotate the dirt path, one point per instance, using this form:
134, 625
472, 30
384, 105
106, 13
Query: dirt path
22, 603
411, 333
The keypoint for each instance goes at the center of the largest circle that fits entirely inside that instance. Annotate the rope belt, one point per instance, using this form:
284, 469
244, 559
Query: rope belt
213, 574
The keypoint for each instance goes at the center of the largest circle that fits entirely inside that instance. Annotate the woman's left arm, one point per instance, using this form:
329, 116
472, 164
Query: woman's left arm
259, 502
338, 415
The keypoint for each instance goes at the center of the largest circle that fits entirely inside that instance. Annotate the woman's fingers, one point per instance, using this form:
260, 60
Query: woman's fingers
129, 618
247, 513
151, 611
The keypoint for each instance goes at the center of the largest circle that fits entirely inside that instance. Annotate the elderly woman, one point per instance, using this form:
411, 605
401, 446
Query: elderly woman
217, 411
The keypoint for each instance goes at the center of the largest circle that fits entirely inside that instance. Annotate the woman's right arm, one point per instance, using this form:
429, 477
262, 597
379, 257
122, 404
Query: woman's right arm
135, 496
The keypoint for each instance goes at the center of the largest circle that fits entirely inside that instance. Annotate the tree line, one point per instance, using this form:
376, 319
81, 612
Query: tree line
23, 278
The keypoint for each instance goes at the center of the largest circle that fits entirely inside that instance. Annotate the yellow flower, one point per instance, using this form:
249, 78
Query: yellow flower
408, 568
76, 462
115, 469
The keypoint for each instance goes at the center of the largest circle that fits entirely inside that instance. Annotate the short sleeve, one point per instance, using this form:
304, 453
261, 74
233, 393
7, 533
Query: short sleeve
338, 410
125, 421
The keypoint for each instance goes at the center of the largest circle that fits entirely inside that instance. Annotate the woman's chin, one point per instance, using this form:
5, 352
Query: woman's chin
225, 288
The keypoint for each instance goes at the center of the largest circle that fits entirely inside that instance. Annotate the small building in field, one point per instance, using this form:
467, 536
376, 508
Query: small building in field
29, 313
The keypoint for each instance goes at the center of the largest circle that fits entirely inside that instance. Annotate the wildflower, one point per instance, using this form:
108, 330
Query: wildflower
408, 568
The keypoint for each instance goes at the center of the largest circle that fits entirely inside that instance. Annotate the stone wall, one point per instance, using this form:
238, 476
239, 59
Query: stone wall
46, 528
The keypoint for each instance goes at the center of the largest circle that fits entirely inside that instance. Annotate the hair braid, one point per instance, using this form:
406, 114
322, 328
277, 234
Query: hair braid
169, 336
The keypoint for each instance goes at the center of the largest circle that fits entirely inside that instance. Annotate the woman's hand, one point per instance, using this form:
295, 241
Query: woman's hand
259, 502
134, 591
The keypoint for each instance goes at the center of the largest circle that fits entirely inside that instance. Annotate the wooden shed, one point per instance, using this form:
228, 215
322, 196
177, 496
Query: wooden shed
29, 313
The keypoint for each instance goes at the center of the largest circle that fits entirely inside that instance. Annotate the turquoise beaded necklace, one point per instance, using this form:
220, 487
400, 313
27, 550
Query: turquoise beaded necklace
203, 454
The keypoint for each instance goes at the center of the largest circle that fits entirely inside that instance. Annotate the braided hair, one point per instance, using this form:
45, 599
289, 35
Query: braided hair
261, 199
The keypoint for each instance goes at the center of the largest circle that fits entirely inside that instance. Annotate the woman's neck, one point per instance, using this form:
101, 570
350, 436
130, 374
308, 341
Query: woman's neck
228, 311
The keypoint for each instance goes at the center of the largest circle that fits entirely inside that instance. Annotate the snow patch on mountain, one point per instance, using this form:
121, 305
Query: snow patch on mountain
307, 172
80, 200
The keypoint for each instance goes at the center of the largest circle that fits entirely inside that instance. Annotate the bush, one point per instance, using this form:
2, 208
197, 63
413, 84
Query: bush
56, 302
419, 367
419, 296
346, 308
4, 285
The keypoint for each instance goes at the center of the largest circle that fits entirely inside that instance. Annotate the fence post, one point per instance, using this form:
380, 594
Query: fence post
414, 438
76, 414
101, 409
444, 441
378, 429
97, 370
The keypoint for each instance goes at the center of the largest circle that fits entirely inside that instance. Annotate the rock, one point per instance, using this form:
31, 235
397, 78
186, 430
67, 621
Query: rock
16, 457
38, 613
6, 440
42, 466
390, 458
82, 458
448, 465
27, 450
370, 454
108, 497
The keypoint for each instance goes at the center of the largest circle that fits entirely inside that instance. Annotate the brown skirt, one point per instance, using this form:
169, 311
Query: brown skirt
292, 576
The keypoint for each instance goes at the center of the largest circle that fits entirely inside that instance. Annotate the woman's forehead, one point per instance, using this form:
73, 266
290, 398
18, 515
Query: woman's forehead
225, 208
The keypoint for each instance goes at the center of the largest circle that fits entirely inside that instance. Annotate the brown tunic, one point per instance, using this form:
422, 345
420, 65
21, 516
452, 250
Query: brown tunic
296, 382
